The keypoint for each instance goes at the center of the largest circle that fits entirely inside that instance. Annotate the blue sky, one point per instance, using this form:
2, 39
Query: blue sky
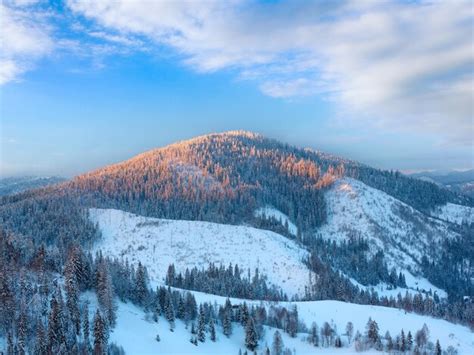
84, 84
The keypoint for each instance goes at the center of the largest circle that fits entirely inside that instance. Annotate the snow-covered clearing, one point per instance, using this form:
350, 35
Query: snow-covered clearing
415, 284
403, 233
157, 243
454, 213
394, 320
269, 211
136, 332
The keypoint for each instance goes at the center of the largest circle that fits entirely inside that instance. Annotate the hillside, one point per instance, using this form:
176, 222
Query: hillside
338, 314
158, 243
403, 233
225, 177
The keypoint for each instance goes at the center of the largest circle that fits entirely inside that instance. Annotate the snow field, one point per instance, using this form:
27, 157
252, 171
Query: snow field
157, 243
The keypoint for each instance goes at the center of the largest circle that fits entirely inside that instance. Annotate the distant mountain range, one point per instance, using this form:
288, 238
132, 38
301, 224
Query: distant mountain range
13, 185
459, 181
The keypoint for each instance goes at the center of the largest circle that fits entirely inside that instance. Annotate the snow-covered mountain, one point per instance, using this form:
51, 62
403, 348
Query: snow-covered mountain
356, 210
242, 199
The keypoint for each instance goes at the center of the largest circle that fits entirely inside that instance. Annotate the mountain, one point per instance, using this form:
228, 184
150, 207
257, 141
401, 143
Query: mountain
459, 181
238, 215
229, 177
14, 185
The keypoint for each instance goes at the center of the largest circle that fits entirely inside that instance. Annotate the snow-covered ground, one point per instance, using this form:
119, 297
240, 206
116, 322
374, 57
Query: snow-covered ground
454, 213
415, 284
391, 319
136, 332
157, 243
269, 211
403, 233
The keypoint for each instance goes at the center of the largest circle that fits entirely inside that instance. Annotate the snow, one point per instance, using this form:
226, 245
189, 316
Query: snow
157, 243
391, 319
403, 233
269, 211
415, 284
454, 213
136, 332
422, 284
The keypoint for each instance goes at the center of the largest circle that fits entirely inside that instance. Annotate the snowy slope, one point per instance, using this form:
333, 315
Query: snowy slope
157, 243
454, 213
269, 211
403, 233
391, 319
142, 340
415, 284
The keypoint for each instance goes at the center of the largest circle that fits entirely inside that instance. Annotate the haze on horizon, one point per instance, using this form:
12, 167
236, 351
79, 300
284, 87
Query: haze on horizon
85, 84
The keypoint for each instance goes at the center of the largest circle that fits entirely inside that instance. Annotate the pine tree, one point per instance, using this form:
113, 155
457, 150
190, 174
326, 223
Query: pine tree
403, 343
244, 314
86, 328
438, 350
10, 346
141, 290
72, 294
105, 293
227, 319
41, 346
22, 330
169, 310
201, 328
251, 337
55, 324
100, 336
212, 330
409, 344
349, 331
372, 332
277, 344
314, 334
388, 341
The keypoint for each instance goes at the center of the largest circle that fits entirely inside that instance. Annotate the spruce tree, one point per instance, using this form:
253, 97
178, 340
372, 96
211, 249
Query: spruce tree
409, 341
86, 328
438, 350
227, 319
169, 310
212, 330
251, 337
141, 290
277, 344
201, 328
100, 336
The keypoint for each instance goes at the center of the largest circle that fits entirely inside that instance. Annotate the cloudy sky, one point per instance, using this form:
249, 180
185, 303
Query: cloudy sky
87, 83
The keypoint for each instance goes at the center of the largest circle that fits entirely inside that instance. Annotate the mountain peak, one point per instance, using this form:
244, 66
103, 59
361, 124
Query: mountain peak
222, 135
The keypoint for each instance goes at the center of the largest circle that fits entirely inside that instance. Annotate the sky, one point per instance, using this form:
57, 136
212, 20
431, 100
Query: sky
87, 83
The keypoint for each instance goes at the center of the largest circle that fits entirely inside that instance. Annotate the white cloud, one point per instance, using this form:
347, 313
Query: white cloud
400, 65
24, 38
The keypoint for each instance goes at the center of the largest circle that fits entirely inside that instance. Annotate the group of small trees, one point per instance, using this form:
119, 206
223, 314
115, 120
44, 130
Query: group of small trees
227, 282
